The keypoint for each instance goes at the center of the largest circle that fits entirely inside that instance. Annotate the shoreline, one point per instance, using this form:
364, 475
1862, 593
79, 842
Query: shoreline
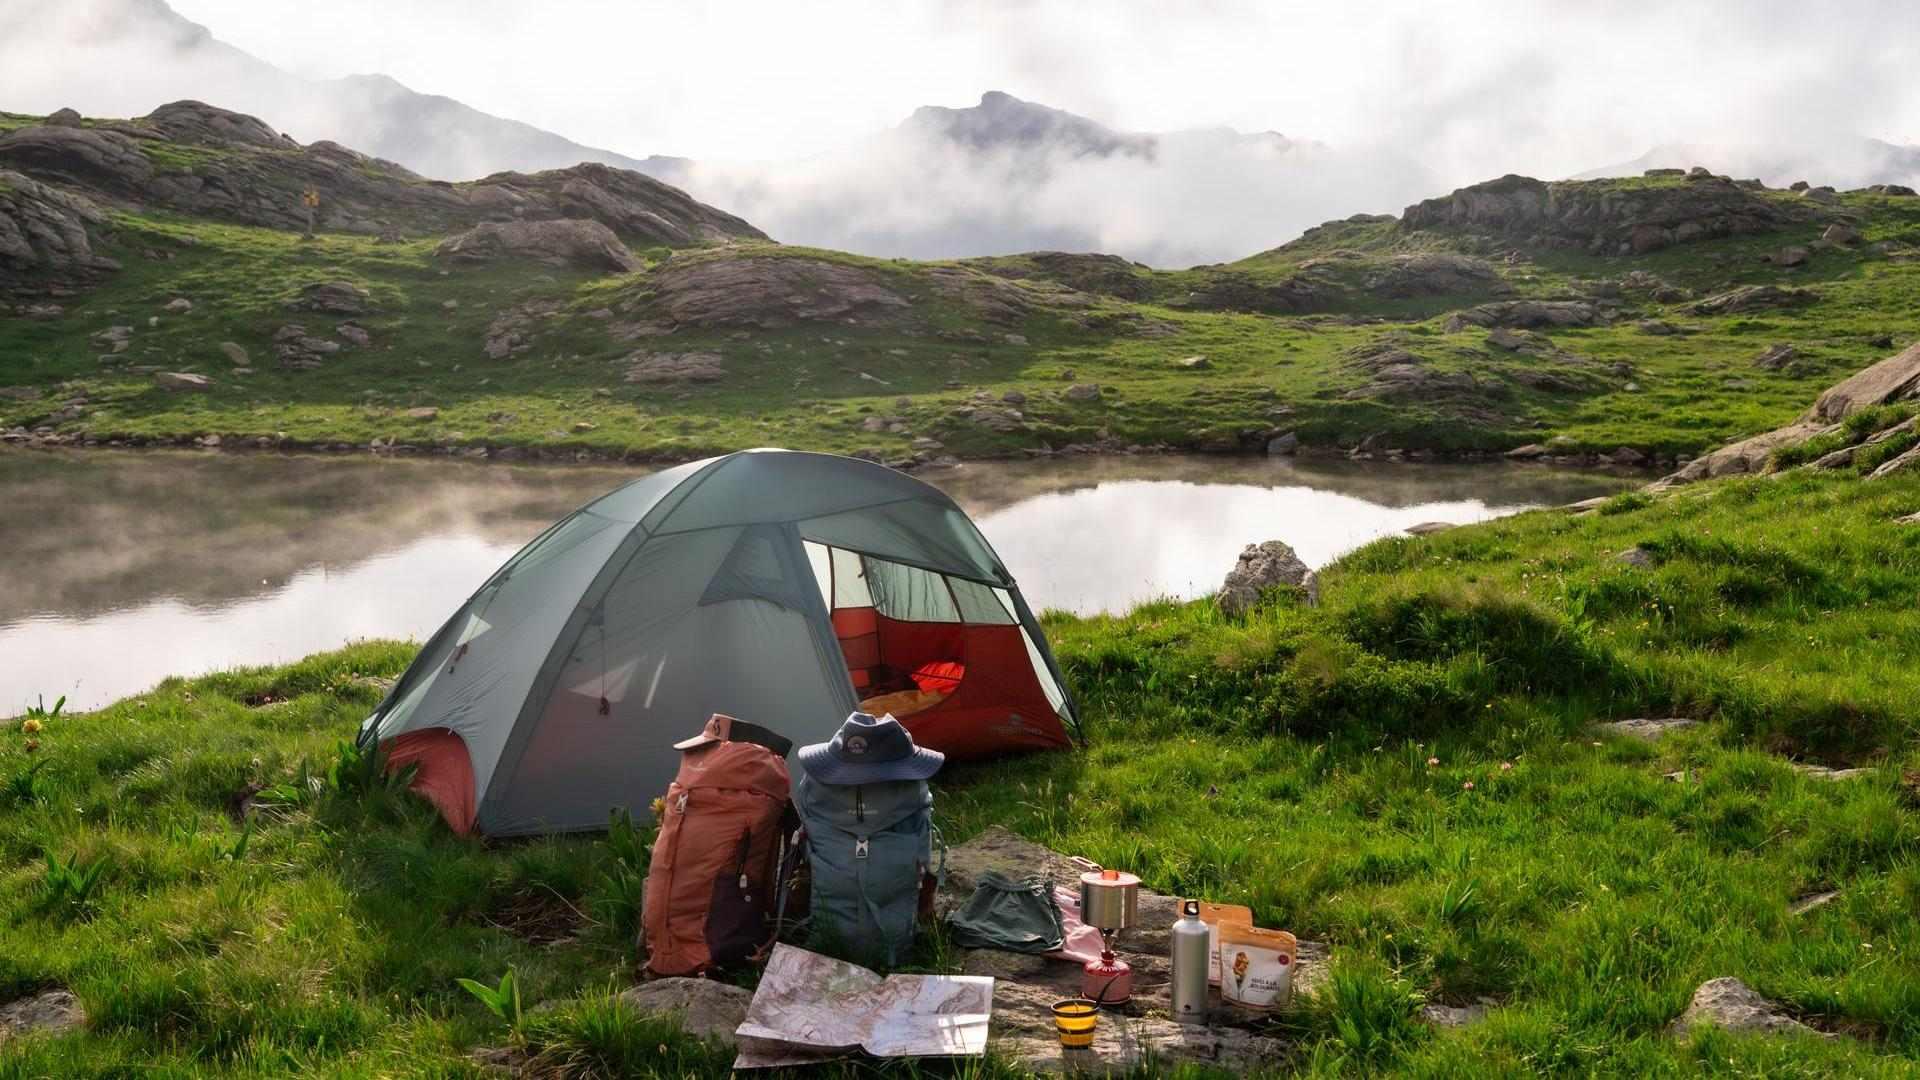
489, 453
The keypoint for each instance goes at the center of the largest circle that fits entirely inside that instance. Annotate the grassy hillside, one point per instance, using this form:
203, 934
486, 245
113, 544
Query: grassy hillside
1407, 772
830, 351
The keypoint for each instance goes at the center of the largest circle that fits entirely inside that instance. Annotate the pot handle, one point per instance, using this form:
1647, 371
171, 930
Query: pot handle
1085, 864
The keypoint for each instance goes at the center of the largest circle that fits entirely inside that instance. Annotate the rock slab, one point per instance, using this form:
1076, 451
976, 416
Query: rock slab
49, 1012
1731, 1004
705, 1008
1647, 729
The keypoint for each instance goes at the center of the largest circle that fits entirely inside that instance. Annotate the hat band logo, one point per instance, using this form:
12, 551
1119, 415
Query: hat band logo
857, 744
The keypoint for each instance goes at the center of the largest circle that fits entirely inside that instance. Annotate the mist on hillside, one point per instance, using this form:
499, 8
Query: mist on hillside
1379, 107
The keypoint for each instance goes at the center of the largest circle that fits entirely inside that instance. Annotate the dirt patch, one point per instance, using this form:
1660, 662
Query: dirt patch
540, 916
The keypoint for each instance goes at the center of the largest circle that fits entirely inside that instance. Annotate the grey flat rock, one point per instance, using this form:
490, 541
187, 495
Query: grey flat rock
1643, 728
1813, 900
705, 1008
48, 1012
1455, 1016
1821, 772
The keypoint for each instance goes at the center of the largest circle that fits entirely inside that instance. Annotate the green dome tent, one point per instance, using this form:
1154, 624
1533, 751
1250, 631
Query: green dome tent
783, 588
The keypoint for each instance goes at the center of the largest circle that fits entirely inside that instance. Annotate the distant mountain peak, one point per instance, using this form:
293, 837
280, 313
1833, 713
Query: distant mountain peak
1002, 121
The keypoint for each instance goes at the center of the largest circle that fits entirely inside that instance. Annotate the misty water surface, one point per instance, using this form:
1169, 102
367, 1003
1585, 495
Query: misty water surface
122, 569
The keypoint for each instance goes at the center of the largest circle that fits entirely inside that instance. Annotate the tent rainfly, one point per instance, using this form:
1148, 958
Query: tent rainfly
780, 587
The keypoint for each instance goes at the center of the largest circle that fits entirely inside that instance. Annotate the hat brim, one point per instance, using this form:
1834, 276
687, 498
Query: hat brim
818, 760
698, 741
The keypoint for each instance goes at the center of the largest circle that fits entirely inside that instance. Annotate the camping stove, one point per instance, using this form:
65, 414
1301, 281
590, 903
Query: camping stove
1110, 903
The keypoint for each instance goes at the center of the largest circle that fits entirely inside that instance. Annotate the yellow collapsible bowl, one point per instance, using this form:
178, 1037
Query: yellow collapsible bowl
1075, 1018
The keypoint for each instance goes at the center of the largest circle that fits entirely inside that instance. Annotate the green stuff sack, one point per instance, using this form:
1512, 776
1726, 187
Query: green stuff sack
1015, 915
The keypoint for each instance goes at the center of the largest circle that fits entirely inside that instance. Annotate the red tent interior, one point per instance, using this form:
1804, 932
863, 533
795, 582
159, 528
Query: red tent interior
998, 704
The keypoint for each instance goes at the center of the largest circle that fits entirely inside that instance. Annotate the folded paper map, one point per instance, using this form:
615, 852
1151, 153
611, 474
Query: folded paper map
811, 1008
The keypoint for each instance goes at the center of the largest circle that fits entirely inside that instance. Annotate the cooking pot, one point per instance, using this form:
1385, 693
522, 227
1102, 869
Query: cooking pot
1109, 899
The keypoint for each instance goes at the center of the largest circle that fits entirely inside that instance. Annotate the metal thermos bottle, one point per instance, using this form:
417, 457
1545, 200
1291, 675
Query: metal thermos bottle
1190, 965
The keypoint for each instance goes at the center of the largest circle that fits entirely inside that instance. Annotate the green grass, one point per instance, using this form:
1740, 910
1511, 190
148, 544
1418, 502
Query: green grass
1313, 763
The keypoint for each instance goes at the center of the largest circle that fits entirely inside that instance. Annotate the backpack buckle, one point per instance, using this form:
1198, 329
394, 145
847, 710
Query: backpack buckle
860, 848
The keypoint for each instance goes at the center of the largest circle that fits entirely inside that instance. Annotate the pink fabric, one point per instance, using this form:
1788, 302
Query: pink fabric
1081, 942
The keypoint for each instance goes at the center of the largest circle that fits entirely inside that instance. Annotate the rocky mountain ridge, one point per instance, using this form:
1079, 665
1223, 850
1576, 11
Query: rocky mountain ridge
198, 160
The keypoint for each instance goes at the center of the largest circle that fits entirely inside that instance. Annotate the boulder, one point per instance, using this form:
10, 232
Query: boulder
1530, 314
1014, 397
181, 381
354, 334
997, 418
1776, 357
1789, 256
686, 367
1082, 392
1528, 452
588, 245
234, 352
512, 332
1841, 233
49, 1012
1600, 216
179, 305
332, 298
1428, 528
1731, 1004
705, 1008
1635, 556
63, 117
299, 350
1260, 569
207, 125
1753, 298
1283, 445
1193, 363
768, 292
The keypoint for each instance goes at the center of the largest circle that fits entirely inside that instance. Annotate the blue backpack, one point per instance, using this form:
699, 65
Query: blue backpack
870, 848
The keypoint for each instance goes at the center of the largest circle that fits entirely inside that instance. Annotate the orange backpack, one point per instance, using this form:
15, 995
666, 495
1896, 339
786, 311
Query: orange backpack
710, 897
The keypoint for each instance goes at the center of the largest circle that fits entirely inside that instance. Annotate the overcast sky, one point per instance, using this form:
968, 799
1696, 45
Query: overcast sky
1538, 86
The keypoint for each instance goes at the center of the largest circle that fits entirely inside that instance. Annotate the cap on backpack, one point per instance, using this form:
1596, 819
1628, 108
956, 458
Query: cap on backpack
723, 728
867, 750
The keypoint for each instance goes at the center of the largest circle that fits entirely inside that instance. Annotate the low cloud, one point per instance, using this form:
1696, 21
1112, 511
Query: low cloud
1202, 196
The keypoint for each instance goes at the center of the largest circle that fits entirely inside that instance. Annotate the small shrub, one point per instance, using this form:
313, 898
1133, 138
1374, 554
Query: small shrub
1369, 1011
1626, 502
24, 786
619, 893
71, 884
1872, 457
502, 1000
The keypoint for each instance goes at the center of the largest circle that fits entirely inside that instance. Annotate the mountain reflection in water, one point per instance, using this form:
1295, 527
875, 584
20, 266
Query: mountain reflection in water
122, 569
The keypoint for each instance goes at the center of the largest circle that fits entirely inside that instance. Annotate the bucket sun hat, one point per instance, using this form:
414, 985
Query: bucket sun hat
867, 750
